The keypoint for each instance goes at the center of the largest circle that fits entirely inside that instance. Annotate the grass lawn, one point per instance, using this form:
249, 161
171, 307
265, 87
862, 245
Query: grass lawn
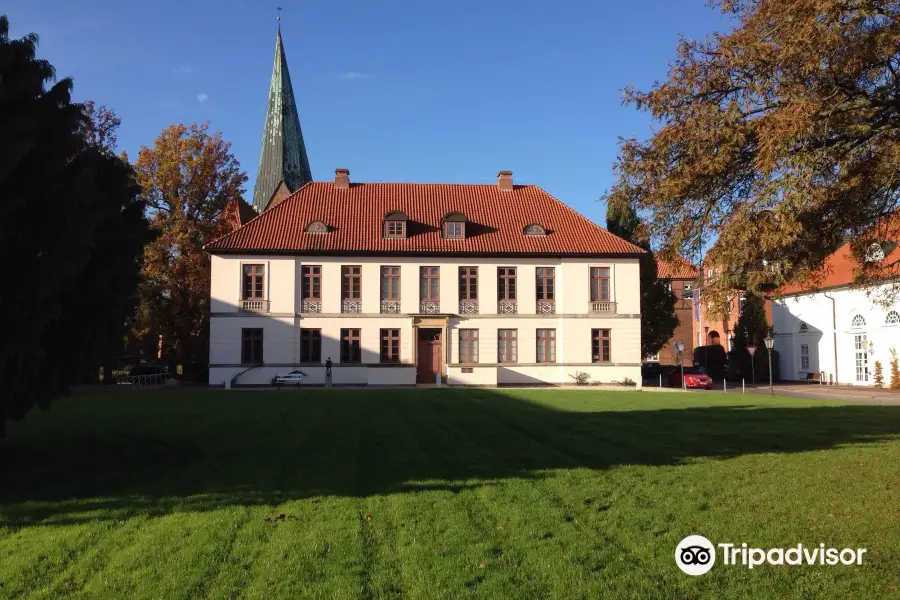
442, 494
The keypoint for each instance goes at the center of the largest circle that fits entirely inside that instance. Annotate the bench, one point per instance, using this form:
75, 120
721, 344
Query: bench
813, 378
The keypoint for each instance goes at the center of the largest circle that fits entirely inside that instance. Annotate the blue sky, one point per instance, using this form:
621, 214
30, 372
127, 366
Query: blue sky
395, 91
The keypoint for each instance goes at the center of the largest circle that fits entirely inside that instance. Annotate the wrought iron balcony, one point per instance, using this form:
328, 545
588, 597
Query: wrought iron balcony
603, 307
429, 307
546, 307
256, 305
311, 306
390, 306
351, 306
468, 307
507, 307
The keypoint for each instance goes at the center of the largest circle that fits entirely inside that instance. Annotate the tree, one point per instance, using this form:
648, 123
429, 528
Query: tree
879, 375
658, 318
188, 179
895, 370
752, 327
60, 199
780, 137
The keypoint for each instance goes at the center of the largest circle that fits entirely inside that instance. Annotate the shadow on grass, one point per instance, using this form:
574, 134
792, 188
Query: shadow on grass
117, 456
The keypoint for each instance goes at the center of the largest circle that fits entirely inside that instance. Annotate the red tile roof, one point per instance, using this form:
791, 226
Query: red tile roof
495, 220
838, 270
679, 268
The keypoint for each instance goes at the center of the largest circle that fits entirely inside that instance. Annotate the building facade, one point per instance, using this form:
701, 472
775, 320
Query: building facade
836, 331
681, 277
400, 283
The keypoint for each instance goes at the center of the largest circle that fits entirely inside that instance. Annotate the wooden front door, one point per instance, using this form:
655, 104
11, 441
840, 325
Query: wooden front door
428, 363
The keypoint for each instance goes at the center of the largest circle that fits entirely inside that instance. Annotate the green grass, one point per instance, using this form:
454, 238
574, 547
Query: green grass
472, 494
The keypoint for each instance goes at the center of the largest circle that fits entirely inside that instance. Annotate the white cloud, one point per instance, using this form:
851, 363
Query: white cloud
350, 75
201, 97
183, 70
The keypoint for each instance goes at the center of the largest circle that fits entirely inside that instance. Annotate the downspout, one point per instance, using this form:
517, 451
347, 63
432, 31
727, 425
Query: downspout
834, 332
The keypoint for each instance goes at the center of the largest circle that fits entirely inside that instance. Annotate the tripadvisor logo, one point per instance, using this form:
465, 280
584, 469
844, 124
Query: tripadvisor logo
696, 555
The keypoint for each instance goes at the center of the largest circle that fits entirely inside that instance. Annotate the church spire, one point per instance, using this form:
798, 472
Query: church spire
283, 156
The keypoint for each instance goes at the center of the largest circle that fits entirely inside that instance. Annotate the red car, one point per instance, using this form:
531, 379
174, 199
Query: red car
693, 378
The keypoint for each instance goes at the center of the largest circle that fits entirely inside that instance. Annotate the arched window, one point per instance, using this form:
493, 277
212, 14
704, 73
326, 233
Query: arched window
534, 229
858, 321
317, 227
803, 328
394, 224
892, 318
453, 226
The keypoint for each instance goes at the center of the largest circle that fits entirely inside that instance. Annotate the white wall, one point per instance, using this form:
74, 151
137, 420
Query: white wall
818, 313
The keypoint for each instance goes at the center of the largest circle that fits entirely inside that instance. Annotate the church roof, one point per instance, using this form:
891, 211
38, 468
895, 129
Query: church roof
283, 155
496, 220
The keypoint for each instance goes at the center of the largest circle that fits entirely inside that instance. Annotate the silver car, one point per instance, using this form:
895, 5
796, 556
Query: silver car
292, 378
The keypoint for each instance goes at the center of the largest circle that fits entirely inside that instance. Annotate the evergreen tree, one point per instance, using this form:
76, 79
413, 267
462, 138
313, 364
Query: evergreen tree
895, 371
658, 318
879, 375
58, 195
752, 327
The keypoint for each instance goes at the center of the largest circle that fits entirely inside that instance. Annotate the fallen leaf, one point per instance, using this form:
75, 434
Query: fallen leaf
481, 566
368, 517
499, 527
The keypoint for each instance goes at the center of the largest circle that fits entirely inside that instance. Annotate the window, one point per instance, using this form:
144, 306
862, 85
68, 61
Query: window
534, 229
254, 276
803, 328
317, 227
506, 283
599, 284
468, 283
395, 229
507, 349
892, 318
430, 284
251, 346
468, 345
804, 357
390, 283
351, 351
351, 284
688, 292
312, 282
600, 345
653, 358
546, 345
311, 345
741, 298
858, 321
454, 230
545, 283
390, 345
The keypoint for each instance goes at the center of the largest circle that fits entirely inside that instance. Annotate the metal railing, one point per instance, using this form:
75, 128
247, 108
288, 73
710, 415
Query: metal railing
351, 306
468, 307
311, 306
507, 307
390, 306
429, 307
546, 307
143, 381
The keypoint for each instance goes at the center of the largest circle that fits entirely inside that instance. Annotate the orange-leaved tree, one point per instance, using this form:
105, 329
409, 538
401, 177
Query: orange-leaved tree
781, 138
188, 179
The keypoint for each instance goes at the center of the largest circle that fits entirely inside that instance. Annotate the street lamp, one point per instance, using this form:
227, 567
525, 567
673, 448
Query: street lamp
679, 350
770, 342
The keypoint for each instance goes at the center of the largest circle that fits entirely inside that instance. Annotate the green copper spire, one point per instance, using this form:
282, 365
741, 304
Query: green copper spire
283, 156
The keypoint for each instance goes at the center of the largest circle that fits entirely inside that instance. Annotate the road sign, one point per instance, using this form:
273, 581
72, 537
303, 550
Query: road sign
751, 350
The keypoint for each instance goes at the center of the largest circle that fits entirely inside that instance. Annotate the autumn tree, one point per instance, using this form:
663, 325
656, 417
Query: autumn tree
780, 138
658, 318
188, 179
63, 202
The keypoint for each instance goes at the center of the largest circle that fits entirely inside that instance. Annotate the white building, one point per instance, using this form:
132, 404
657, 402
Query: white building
836, 330
483, 284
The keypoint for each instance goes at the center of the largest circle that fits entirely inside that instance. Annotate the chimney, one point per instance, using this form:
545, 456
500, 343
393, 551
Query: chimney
342, 179
504, 181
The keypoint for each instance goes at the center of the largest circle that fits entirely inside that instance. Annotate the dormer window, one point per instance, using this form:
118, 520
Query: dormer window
317, 227
394, 225
454, 226
534, 229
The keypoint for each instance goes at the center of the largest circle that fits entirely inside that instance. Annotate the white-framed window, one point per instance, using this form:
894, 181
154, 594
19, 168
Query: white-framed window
653, 358
741, 297
892, 318
804, 357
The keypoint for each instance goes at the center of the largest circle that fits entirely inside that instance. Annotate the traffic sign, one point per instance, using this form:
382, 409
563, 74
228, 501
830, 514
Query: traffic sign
751, 350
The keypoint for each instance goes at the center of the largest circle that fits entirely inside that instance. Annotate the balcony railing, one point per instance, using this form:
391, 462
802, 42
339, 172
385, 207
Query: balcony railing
311, 306
507, 307
255, 305
603, 307
390, 306
351, 306
468, 307
546, 307
429, 307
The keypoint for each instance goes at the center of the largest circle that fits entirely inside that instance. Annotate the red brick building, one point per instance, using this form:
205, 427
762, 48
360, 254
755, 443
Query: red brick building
681, 275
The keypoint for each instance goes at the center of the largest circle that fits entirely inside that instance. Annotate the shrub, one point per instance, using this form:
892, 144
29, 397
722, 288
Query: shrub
879, 375
581, 378
895, 371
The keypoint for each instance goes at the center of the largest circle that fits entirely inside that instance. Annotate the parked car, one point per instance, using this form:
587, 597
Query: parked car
292, 378
694, 377
651, 369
